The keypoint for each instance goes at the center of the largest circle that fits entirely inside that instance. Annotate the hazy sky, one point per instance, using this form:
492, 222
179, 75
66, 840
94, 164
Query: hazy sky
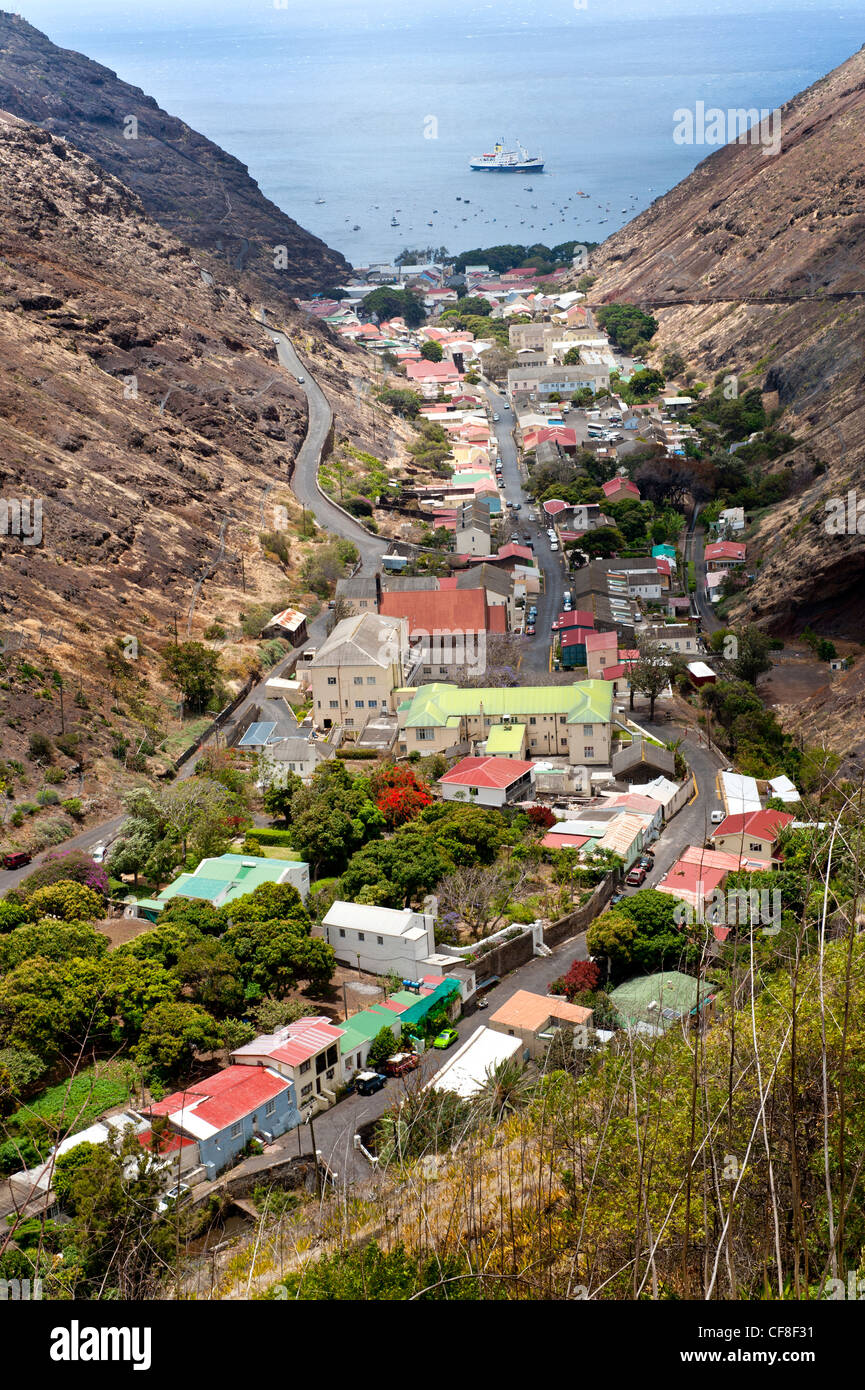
359, 14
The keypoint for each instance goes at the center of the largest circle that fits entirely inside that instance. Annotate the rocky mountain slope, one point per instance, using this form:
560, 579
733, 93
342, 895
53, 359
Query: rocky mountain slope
191, 186
143, 407
755, 266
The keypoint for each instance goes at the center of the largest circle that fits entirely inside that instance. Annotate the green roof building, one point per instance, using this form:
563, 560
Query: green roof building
506, 741
652, 1003
227, 877
568, 721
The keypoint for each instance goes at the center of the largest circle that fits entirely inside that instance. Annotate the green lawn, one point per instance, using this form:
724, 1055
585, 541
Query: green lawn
74, 1104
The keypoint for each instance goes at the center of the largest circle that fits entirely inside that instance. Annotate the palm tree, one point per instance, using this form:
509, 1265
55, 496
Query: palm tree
507, 1088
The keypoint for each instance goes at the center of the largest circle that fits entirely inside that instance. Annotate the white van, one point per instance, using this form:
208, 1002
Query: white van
717, 817
554, 545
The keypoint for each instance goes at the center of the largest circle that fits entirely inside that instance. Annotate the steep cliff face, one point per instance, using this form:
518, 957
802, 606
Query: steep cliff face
191, 186
755, 266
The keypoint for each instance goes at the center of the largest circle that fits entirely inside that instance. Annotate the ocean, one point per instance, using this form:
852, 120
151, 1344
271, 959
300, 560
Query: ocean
351, 114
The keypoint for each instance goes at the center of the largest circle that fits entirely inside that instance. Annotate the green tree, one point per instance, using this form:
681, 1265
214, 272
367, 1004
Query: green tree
208, 970
383, 1045
67, 901
172, 1034
432, 351
53, 941
193, 669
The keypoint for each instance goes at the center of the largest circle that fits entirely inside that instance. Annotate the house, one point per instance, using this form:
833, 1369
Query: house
602, 650
361, 593
571, 721
698, 872
627, 835
354, 673
782, 788
380, 940
497, 586
506, 741
672, 795
740, 794
538, 382
572, 644
225, 1111
447, 629
621, 489
700, 673
535, 1018
653, 1003
640, 575
650, 811
306, 1053
642, 760
674, 637
472, 534
299, 755
488, 781
404, 1008
468, 1069
289, 624
724, 555
753, 833
221, 880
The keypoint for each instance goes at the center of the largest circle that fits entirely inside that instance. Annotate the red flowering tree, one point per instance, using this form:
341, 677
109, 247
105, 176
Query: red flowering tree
582, 977
400, 794
541, 817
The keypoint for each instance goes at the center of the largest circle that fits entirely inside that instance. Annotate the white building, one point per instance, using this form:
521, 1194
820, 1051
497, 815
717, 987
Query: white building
740, 794
466, 1071
380, 939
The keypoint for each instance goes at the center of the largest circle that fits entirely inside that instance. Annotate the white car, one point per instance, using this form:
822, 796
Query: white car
301, 380
497, 417
554, 545
97, 854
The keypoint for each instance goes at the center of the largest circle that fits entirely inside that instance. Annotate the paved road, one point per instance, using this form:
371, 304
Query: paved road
304, 483
694, 551
335, 1129
692, 826
537, 657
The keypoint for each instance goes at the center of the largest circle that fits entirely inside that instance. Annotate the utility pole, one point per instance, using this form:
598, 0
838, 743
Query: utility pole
175, 628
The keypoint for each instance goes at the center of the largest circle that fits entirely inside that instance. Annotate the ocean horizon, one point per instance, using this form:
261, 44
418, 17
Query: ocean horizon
377, 112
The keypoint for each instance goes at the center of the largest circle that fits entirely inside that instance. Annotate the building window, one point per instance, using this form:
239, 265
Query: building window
424, 735
371, 680
373, 704
236, 1130
342, 931
532, 719
358, 680
358, 704
349, 723
587, 731
380, 940
562, 719
304, 1067
360, 936
270, 1107
443, 670
589, 752
331, 680
427, 670
307, 1090
333, 704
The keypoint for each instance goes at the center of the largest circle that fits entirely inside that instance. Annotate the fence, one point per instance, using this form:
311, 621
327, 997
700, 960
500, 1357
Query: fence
218, 722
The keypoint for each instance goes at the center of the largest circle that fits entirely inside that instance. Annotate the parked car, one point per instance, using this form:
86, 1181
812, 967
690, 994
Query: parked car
517, 506
637, 876
402, 1062
301, 380
530, 629
716, 817
446, 1038
16, 860
554, 545
97, 854
173, 1195
497, 417
366, 1083
616, 898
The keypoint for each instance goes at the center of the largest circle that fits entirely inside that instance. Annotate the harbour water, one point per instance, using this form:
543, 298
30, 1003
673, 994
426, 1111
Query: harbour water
364, 115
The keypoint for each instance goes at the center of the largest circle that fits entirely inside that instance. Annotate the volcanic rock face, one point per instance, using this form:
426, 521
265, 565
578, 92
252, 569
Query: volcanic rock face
189, 185
139, 403
762, 254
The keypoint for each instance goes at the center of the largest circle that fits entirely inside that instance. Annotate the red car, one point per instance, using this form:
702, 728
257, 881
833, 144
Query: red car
637, 876
16, 860
530, 630
402, 1062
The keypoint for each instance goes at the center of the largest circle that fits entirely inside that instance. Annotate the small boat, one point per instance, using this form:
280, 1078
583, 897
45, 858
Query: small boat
356, 227
320, 200
393, 222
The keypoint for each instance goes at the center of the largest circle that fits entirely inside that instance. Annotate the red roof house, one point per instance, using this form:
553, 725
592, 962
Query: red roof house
487, 781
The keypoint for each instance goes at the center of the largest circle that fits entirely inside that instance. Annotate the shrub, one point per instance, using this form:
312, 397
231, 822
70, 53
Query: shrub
48, 797
363, 753
41, 747
541, 817
72, 807
271, 837
71, 902
53, 832
214, 633
55, 775
67, 864
17, 818
254, 620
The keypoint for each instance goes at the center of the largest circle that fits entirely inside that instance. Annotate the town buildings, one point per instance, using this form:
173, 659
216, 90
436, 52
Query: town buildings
571, 721
356, 670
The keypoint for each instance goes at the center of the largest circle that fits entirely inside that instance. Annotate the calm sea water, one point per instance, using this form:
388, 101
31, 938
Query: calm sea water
337, 100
